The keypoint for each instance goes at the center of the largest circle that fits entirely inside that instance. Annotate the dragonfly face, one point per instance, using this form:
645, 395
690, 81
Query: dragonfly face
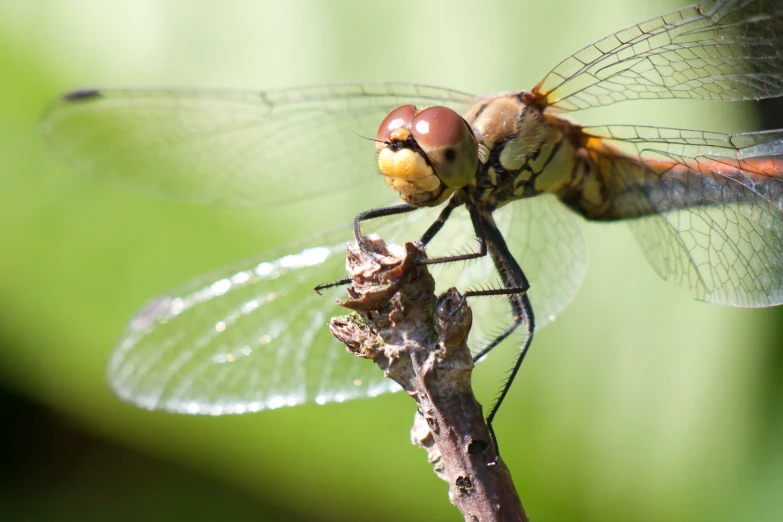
706, 207
426, 154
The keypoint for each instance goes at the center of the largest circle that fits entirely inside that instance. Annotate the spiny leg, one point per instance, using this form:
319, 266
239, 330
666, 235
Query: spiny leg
360, 239
514, 279
516, 316
372, 214
519, 287
528, 319
428, 235
478, 229
437, 225
433, 229
324, 286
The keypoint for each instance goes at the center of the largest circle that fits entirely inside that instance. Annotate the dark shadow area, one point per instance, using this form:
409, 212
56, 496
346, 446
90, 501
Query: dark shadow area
51, 471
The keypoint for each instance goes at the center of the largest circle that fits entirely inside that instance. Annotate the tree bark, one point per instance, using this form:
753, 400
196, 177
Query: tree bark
420, 341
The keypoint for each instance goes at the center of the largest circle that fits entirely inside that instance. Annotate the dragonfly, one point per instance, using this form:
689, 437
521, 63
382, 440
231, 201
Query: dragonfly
504, 179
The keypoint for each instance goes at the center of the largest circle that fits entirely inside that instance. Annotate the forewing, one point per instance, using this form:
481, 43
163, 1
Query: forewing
249, 337
233, 147
717, 50
707, 206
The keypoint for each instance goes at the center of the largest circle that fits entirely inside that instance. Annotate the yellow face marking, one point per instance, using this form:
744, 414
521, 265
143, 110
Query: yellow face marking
386, 162
408, 173
401, 164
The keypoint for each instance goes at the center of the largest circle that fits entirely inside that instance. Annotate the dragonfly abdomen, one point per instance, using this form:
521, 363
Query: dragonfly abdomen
613, 185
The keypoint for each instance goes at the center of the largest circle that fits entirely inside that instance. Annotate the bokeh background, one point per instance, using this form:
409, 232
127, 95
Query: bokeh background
638, 404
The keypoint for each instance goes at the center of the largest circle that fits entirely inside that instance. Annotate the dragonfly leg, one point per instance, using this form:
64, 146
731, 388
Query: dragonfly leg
425, 238
438, 224
391, 211
478, 228
324, 286
372, 214
361, 240
516, 286
516, 314
527, 318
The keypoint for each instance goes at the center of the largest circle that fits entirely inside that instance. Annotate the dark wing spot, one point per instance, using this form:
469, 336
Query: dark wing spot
450, 155
81, 95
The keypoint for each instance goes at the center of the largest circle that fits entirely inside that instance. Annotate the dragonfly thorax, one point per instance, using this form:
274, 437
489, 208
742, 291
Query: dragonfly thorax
523, 152
426, 154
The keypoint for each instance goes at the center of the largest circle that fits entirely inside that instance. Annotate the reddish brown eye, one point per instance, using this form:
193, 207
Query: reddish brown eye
438, 127
449, 143
399, 117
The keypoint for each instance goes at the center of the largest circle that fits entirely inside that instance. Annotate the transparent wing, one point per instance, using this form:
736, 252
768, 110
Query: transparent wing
246, 338
251, 336
718, 49
233, 147
254, 336
710, 206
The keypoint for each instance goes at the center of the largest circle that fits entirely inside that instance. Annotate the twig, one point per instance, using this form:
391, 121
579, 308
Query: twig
420, 342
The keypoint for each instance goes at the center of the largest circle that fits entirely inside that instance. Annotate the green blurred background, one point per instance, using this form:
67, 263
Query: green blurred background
637, 404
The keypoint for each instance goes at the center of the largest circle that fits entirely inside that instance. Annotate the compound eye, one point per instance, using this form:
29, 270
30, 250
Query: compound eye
449, 144
399, 117
437, 127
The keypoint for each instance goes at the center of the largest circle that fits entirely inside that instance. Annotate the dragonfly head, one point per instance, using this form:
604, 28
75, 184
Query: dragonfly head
426, 154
